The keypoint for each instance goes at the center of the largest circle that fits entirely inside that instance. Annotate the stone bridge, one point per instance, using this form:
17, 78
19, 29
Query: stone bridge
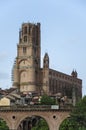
14, 115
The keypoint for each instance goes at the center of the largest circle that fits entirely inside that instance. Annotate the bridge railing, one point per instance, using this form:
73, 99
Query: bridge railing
25, 107
32, 107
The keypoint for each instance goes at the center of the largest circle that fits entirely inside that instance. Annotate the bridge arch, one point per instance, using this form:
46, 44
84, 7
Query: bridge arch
21, 118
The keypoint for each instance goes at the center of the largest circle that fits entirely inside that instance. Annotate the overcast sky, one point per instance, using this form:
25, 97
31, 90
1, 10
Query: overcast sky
63, 34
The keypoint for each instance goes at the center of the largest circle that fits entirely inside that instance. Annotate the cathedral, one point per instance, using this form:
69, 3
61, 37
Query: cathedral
29, 77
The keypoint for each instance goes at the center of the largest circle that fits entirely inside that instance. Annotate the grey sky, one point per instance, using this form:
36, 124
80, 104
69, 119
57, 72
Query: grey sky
63, 34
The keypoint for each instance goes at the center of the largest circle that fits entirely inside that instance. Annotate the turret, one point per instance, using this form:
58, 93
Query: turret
46, 74
74, 74
46, 61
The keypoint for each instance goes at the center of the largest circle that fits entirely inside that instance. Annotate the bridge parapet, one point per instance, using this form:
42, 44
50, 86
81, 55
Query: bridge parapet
32, 108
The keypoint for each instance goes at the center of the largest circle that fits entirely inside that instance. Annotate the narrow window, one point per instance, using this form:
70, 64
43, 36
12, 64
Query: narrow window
24, 49
29, 30
25, 30
25, 38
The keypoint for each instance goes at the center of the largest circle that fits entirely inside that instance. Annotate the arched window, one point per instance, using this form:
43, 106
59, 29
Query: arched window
25, 38
25, 30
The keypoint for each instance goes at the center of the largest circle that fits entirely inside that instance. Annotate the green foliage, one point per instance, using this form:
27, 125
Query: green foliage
79, 113
77, 120
46, 100
68, 124
3, 125
41, 125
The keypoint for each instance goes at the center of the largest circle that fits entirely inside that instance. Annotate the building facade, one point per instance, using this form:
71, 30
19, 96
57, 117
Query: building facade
28, 75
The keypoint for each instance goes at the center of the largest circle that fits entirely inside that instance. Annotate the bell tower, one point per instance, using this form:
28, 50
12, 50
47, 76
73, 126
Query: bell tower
27, 63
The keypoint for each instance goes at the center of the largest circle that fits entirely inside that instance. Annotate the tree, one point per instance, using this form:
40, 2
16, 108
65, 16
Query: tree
3, 125
47, 100
68, 124
41, 125
79, 113
77, 120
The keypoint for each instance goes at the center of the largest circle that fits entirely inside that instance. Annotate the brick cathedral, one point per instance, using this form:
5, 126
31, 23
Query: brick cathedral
29, 76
